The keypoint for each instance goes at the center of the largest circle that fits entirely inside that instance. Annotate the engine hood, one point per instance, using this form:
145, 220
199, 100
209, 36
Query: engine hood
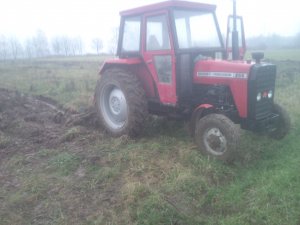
208, 71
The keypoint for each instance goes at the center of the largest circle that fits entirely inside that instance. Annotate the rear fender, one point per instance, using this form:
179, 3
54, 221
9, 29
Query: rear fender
137, 67
198, 113
120, 63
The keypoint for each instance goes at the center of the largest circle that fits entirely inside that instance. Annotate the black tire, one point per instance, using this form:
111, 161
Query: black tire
217, 136
121, 102
284, 123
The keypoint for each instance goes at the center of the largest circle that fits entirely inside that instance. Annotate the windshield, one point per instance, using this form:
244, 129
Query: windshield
196, 29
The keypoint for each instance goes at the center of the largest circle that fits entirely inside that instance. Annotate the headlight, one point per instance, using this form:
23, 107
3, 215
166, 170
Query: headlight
258, 97
270, 94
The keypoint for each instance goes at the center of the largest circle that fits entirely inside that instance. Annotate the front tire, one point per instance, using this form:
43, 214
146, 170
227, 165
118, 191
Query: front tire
284, 123
217, 136
121, 102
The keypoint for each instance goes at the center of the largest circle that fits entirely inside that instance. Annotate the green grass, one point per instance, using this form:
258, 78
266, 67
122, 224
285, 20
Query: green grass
64, 163
70, 81
279, 54
159, 178
265, 192
290, 54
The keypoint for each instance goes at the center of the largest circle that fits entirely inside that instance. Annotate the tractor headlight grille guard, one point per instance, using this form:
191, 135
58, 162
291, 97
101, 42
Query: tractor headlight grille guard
261, 88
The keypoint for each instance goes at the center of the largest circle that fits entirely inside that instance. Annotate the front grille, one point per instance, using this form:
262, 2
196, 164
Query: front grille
262, 78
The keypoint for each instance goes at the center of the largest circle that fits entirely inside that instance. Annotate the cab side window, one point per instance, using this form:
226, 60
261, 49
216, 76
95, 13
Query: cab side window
131, 35
157, 33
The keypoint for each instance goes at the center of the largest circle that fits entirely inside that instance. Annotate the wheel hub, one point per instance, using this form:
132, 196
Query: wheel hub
215, 142
113, 106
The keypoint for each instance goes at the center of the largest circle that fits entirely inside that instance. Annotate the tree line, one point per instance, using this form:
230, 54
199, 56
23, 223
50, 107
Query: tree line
40, 46
274, 41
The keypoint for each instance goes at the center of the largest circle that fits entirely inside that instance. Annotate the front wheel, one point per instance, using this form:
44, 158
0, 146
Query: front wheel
217, 136
284, 123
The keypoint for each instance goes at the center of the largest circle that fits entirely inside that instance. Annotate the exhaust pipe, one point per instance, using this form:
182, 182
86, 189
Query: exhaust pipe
235, 36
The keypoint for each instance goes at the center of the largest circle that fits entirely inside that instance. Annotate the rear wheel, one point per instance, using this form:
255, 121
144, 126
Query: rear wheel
121, 103
217, 136
284, 123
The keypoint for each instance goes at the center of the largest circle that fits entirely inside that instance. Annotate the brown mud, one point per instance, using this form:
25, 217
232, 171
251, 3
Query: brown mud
29, 122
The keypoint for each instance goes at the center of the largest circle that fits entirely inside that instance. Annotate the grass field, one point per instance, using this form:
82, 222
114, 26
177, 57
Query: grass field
279, 54
160, 178
69, 80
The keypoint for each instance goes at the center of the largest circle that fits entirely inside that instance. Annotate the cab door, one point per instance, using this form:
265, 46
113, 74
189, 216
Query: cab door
158, 54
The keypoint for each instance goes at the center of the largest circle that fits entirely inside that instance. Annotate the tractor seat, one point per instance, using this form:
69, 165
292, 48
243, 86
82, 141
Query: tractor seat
152, 43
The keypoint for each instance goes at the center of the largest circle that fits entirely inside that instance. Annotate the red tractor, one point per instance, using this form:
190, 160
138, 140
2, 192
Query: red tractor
172, 61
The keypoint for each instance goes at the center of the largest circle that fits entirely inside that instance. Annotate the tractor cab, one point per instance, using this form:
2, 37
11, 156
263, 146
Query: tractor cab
174, 25
169, 37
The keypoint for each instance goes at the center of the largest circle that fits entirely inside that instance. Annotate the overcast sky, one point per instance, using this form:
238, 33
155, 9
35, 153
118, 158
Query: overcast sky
95, 18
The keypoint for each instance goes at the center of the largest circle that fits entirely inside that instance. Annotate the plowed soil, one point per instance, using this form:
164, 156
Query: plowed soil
28, 123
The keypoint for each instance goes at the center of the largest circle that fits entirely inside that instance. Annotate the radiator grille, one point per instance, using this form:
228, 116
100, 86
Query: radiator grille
262, 79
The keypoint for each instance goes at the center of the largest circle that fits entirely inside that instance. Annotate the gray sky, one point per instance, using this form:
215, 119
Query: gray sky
95, 18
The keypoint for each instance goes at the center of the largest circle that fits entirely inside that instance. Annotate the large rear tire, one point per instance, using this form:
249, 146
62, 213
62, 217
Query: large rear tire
283, 125
121, 102
217, 136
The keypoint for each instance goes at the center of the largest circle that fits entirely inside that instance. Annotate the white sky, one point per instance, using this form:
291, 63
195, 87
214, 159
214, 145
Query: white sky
95, 18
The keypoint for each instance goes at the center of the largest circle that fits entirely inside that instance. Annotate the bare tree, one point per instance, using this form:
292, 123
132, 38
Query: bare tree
15, 47
297, 40
4, 51
66, 45
29, 49
76, 46
56, 44
61, 45
114, 41
37, 46
97, 44
40, 43
79, 45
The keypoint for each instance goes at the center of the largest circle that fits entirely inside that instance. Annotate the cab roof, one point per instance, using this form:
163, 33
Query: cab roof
168, 5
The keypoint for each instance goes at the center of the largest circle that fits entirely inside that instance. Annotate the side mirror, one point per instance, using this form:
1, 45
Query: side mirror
235, 38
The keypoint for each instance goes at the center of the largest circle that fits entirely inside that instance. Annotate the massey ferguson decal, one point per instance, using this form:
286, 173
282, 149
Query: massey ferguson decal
223, 75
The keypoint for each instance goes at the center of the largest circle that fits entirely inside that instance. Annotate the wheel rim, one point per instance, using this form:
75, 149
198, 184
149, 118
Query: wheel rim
215, 142
113, 106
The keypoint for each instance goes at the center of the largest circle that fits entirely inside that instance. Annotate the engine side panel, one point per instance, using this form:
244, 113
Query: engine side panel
232, 74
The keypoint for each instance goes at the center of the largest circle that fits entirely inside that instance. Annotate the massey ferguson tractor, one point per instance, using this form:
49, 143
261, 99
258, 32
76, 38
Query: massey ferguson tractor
172, 61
